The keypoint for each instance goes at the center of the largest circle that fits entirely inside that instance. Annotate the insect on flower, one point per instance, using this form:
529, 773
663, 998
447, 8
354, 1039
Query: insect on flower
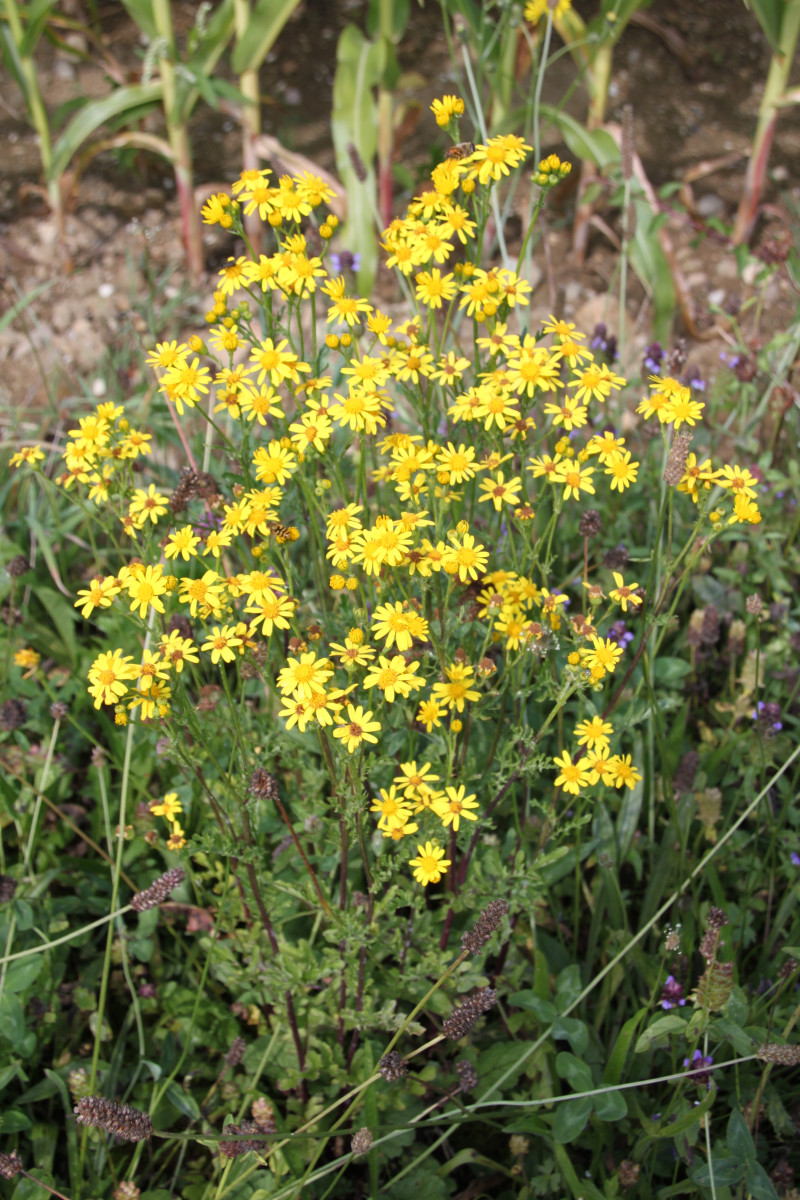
462, 150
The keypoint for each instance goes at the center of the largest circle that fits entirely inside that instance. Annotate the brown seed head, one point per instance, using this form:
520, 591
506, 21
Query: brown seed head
393, 1066
362, 1142
159, 891
263, 785
461, 1019
476, 938
121, 1120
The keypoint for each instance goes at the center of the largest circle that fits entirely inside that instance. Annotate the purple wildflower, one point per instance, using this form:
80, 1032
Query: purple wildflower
345, 260
672, 994
698, 1060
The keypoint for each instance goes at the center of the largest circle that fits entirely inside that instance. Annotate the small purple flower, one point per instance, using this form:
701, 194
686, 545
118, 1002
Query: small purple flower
795, 858
620, 633
672, 993
652, 357
768, 714
698, 1060
345, 260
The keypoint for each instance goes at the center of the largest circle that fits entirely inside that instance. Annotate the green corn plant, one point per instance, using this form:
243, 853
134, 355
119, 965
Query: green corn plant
780, 21
592, 48
257, 28
21, 29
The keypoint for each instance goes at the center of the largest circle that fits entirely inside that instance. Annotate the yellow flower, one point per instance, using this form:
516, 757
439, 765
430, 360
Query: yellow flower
456, 690
575, 477
222, 643
450, 808
536, 9
274, 463
27, 658
430, 713
145, 585
415, 780
447, 108
394, 813
359, 728
572, 775
430, 864
183, 541
605, 653
27, 454
277, 362
108, 676
304, 675
623, 472
393, 677
432, 288
169, 807
593, 732
625, 595
204, 593
464, 558
624, 774
501, 492
177, 650
99, 594
147, 504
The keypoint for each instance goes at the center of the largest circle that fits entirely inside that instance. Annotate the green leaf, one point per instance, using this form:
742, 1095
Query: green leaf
726, 1170
739, 1139
13, 1121
21, 974
770, 14
59, 610
267, 19
670, 672
129, 99
183, 1101
758, 1183
732, 1032
570, 1119
691, 1116
354, 122
37, 13
660, 1031
581, 1189
619, 1055
12, 1018
568, 986
575, 1071
574, 1031
141, 12
545, 1010
610, 1106
594, 144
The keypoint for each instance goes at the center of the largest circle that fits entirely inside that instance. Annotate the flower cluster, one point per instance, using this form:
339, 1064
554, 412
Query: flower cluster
381, 556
